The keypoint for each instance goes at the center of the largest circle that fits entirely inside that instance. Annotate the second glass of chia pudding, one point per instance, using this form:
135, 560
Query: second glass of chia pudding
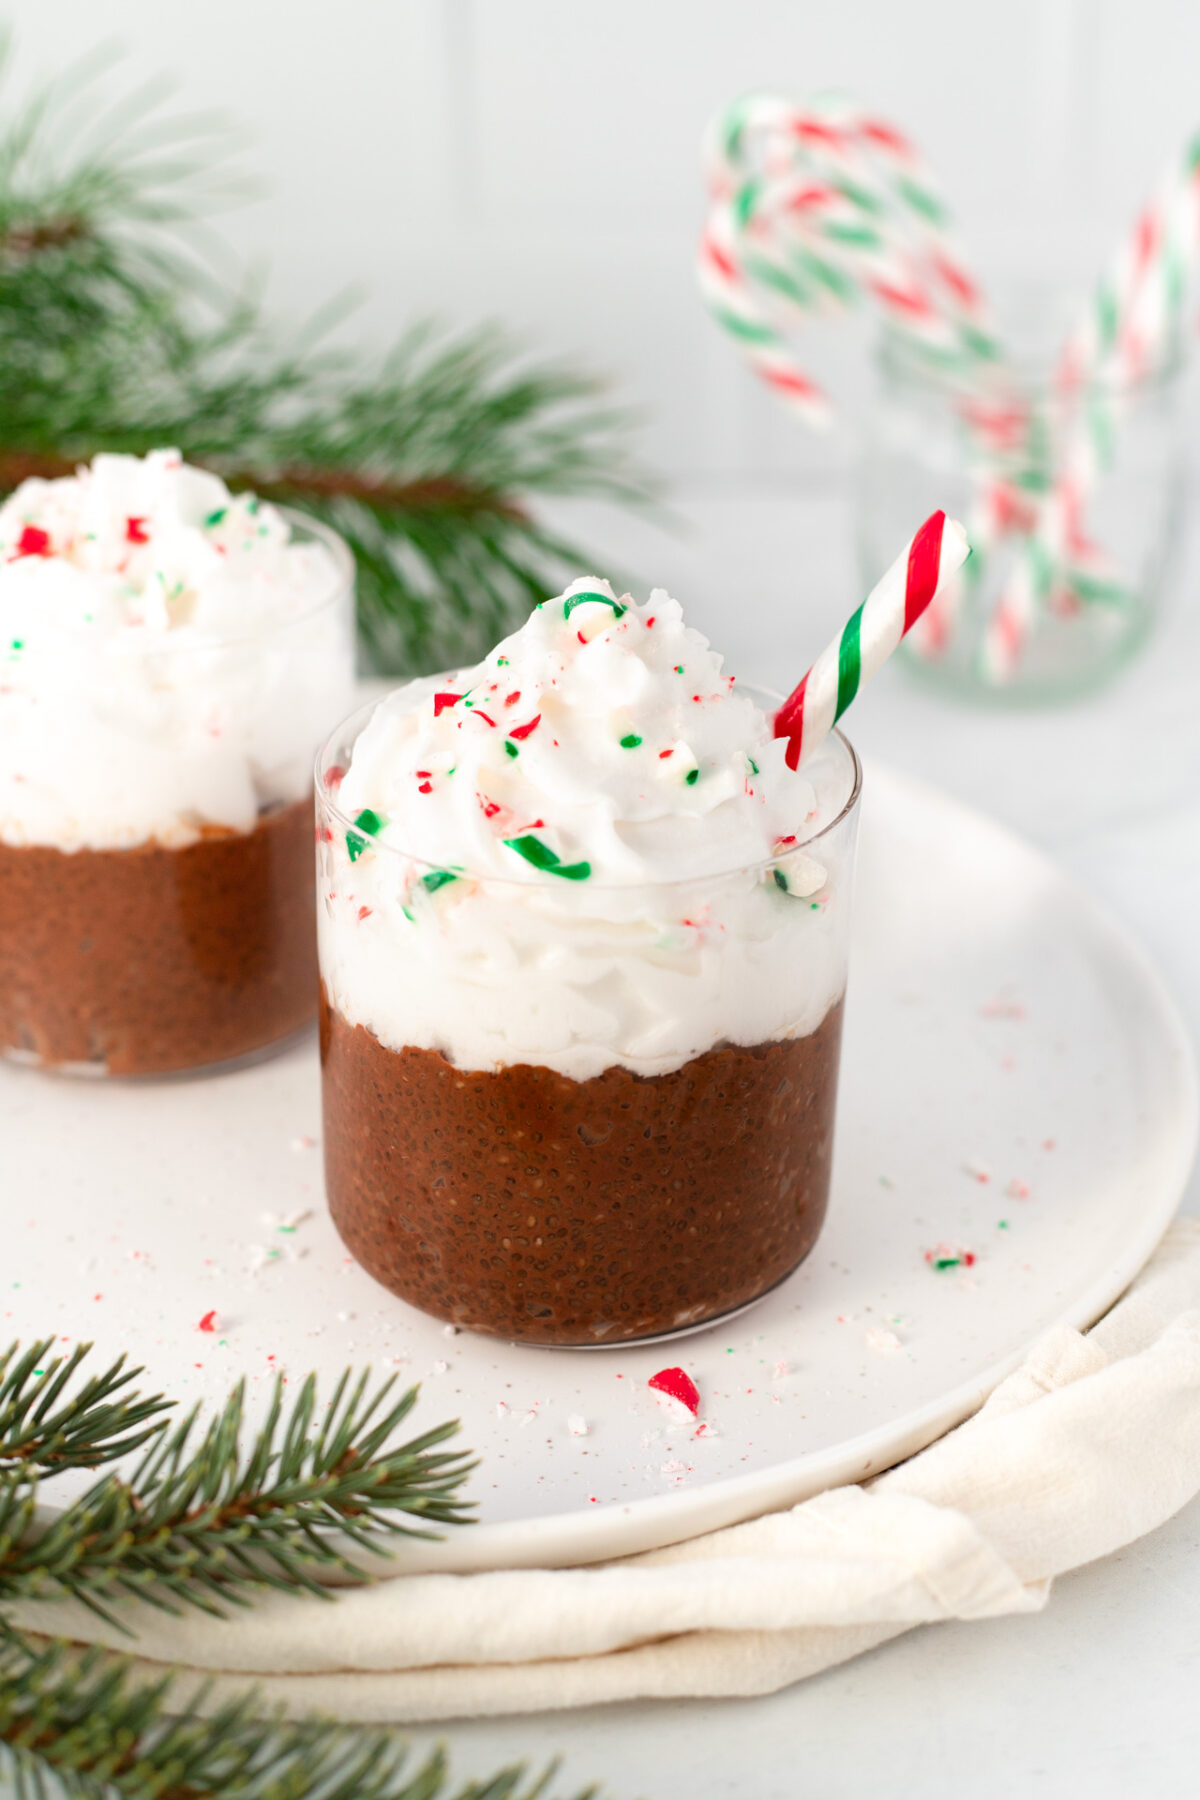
170, 656
583, 941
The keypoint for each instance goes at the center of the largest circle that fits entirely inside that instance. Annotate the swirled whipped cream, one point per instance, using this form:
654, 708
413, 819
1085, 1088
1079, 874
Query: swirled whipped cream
169, 656
585, 851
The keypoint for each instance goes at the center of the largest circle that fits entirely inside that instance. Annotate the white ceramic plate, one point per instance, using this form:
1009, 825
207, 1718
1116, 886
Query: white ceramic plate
1016, 1086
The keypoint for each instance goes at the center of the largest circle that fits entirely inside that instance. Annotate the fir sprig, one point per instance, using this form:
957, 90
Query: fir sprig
203, 1520
206, 1523
426, 459
47, 1425
82, 1718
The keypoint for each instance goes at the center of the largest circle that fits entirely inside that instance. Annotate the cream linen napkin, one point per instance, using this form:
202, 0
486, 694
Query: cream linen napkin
1093, 1441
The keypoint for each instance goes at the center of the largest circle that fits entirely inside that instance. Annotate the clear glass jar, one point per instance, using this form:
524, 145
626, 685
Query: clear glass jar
564, 1112
1071, 499
142, 950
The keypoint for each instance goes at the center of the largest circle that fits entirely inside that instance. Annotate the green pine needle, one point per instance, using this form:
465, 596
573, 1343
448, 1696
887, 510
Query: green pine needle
116, 334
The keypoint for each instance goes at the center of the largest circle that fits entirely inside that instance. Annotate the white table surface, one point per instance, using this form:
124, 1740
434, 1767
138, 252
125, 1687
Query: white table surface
1097, 1695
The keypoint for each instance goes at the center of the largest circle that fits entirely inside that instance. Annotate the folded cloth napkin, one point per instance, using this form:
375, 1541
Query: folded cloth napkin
1093, 1441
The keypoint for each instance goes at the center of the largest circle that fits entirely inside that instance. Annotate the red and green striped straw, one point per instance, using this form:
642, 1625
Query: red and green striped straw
927, 563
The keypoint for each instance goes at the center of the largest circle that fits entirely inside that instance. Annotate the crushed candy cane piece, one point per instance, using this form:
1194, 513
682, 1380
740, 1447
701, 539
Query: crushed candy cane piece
578, 1426
946, 1256
677, 1384
1003, 1007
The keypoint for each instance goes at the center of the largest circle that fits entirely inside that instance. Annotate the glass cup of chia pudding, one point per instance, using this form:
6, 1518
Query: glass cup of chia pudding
583, 941
169, 656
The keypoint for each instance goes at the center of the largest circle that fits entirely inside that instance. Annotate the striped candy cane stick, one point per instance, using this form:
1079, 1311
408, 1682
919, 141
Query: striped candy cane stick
1131, 330
869, 636
816, 208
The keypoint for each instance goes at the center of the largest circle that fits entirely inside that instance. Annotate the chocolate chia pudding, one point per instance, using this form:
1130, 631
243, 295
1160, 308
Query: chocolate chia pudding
150, 960
582, 938
171, 655
527, 1205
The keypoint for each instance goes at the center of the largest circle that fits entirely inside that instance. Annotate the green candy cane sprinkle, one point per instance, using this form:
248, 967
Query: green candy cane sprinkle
543, 857
367, 821
575, 600
214, 518
438, 878
630, 741
692, 777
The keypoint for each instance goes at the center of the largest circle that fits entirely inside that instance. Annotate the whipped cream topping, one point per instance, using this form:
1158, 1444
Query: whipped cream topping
169, 656
606, 728
588, 850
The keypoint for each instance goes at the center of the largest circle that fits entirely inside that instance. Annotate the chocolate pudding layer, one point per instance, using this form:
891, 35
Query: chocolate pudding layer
533, 1207
151, 960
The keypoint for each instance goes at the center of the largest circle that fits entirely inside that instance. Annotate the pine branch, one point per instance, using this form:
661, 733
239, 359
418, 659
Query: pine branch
101, 1733
200, 1522
114, 335
435, 494
46, 1426
206, 1524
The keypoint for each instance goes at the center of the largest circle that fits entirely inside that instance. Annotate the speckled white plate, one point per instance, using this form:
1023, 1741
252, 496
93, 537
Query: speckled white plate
1017, 1087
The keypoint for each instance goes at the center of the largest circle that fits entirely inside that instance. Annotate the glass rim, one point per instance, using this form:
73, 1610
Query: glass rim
338, 588
355, 723
1040, 385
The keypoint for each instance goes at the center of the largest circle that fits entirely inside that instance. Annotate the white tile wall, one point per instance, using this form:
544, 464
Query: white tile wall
537, 159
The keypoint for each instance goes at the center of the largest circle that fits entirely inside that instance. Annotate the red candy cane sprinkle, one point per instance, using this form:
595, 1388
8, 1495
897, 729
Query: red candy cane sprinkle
523, 731
425, 787
135, 531
486, 717
208, 1322
677, 1384
511, 699
441, 701
335, 776
33, 541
